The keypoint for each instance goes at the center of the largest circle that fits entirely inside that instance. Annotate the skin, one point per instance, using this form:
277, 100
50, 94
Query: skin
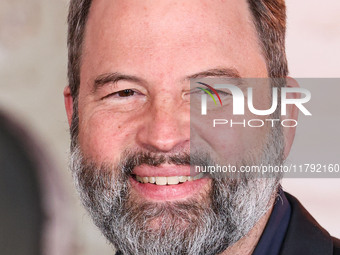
162, 44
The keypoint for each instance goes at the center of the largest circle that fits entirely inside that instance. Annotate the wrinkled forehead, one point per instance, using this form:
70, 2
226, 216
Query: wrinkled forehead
170, 38
167, 22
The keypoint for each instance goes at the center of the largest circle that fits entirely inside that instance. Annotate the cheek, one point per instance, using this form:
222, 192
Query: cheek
232, 144
103, 135
227, 142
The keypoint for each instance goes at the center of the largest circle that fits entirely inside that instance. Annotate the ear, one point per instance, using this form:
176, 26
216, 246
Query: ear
292, 113
68, 100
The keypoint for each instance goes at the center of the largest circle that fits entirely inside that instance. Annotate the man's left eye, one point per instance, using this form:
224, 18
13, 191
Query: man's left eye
125, 93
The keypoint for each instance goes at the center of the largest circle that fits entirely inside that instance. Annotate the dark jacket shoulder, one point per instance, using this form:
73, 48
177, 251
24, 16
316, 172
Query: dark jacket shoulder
336, 243
305, 236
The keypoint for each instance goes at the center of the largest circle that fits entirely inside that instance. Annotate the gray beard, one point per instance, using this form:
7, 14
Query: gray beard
207, 224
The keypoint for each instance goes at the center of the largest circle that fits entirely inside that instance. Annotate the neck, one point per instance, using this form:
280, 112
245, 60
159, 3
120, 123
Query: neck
247, 244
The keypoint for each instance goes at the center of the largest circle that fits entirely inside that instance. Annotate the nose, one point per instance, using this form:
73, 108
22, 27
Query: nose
166, 126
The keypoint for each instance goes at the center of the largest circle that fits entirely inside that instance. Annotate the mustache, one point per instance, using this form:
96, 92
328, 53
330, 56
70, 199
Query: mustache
130, 160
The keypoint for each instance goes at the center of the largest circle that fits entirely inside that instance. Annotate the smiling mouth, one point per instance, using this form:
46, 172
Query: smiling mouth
166, 180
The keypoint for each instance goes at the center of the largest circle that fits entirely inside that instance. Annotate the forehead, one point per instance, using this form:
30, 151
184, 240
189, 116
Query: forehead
168, 31
149, 17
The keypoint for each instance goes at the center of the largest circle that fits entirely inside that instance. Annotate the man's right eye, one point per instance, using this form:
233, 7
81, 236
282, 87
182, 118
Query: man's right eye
125, 100
125, 93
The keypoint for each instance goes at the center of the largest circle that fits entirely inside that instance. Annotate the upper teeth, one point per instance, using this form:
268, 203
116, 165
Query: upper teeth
170, 180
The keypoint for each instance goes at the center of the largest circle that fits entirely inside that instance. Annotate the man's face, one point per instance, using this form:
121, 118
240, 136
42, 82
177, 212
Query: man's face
137, 61
160, 44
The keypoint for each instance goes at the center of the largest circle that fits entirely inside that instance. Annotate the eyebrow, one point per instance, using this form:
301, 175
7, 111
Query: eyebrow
217, 72
114, 77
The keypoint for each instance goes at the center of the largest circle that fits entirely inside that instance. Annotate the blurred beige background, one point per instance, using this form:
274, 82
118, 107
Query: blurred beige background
33, 61
313, 51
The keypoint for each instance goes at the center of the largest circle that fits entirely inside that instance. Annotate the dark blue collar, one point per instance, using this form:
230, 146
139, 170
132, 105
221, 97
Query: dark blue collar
275, 230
